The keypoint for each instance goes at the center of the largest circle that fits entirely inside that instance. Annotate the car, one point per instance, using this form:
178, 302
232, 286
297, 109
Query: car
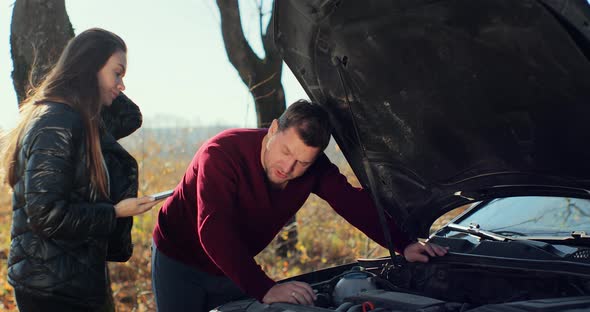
441, 104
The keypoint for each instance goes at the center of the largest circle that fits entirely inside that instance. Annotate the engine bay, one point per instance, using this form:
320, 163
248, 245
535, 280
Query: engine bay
475, 277
445, 287
470, 278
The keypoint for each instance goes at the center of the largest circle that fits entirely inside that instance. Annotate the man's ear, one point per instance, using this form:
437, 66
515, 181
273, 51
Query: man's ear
274, 126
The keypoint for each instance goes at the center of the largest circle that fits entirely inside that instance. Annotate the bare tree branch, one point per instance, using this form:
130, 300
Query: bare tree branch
260, 17
268, 44
239, 52
262, 76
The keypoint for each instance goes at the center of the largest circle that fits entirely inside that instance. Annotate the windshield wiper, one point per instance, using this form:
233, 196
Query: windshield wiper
580, 235
474, 229
575, 236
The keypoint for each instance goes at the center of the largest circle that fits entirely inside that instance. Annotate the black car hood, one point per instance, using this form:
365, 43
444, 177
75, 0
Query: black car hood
448, 101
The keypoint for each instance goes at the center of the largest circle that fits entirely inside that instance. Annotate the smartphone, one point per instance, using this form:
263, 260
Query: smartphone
161, 195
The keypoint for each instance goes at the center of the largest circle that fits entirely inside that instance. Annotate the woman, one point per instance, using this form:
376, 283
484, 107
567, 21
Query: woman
70, 178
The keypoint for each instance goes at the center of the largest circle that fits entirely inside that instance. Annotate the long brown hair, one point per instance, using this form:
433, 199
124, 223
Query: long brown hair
73, 81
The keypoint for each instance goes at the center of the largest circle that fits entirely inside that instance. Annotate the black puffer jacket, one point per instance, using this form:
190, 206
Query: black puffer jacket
121, 119
60, 238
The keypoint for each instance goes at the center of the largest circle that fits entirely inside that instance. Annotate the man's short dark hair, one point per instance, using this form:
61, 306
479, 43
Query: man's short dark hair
311, 122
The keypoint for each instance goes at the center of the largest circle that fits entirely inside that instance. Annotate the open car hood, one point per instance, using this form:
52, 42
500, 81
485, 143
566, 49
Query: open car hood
448, 102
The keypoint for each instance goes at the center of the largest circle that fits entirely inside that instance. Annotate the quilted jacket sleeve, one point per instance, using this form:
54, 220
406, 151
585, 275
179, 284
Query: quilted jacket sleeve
122, 118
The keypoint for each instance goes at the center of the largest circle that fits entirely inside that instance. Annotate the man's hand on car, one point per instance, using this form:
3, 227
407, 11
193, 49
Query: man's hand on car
292, 292
422, 251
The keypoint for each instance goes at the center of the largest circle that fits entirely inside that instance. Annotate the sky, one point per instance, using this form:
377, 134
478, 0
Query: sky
178, 70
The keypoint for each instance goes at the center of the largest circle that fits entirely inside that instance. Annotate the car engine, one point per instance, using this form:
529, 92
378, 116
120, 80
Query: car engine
484, 277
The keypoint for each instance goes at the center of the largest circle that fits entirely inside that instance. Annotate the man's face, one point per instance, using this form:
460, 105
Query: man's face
285, 156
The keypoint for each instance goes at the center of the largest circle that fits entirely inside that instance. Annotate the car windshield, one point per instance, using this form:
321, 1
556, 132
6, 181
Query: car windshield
531, 216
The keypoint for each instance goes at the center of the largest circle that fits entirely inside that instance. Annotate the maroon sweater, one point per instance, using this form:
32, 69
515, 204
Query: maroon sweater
223, 212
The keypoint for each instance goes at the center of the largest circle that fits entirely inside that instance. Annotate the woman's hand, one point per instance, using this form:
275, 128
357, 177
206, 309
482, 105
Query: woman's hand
134, 206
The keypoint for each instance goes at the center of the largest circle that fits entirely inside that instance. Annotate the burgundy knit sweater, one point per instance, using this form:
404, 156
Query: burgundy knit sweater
223, 212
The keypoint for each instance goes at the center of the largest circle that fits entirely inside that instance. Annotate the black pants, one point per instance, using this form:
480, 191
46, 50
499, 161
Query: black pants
28, 303
178, 287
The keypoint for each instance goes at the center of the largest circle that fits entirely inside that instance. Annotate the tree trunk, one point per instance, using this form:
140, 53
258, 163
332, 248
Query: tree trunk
39, 31
263, 78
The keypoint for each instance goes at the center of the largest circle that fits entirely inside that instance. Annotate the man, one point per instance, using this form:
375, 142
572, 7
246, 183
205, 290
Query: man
241, 188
